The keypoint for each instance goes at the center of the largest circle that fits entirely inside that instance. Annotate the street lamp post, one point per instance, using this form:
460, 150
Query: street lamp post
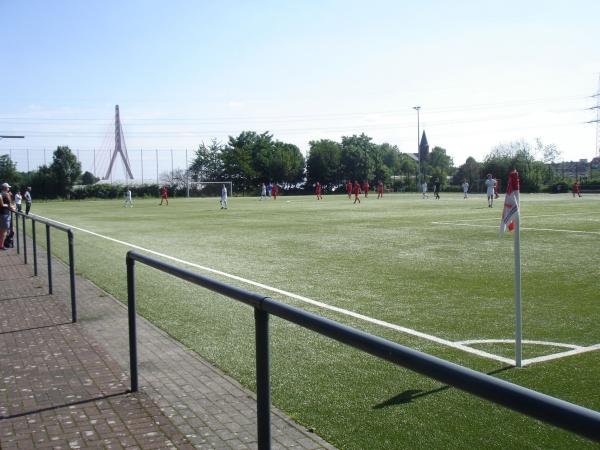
418, 108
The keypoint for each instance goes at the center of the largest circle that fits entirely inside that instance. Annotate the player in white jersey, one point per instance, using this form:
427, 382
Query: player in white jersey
465, 187
490, 184
224, 197
128, 201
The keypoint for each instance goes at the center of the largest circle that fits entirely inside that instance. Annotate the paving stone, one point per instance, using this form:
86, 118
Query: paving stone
73, 378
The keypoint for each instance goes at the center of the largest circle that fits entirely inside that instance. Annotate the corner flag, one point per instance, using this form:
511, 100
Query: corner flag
511, 219
510, 213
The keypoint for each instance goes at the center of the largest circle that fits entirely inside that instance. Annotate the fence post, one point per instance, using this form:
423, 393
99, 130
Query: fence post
263, 379
132, 331
24, 243
72, 276
49, 258
35, 267
16, 217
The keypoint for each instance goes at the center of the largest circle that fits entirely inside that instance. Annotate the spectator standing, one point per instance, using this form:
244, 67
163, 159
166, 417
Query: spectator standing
5, 209
18, 201
28, 200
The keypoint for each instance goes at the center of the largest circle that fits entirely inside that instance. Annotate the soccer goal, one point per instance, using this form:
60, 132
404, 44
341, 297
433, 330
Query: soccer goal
208, 188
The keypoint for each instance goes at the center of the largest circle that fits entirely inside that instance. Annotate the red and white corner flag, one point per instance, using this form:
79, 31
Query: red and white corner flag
510, 213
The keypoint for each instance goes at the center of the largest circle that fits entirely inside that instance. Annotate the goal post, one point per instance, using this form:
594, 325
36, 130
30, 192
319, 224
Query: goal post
208, 188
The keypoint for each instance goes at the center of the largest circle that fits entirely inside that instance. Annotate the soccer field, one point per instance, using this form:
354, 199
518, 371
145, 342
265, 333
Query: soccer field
429, 274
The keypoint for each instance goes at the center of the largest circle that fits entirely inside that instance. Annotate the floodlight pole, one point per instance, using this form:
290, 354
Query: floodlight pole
418, 108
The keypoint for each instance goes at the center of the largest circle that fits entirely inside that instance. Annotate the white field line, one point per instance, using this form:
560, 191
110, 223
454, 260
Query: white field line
525, 341
527, 217
555, 230
346, 312
577, 351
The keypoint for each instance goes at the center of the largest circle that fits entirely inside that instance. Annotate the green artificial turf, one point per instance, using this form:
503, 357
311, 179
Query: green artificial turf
385, 259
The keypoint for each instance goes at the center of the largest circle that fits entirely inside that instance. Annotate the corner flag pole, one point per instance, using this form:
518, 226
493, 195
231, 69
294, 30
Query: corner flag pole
518, 327
511, 220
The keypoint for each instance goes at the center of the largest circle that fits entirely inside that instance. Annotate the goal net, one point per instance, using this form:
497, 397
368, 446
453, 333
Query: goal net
208, 188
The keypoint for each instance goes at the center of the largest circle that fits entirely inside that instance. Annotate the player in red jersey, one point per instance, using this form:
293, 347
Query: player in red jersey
275, 191
318, 191
356, 192
366, 188
379, 190
164, 196
576, 189
349, 189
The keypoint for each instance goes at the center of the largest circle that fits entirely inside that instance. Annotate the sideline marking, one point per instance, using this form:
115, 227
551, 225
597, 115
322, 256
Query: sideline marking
456, 345
527, 217
556, 230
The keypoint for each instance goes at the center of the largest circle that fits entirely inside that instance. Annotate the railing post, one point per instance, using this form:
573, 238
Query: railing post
72, 276
263, 379
35, 268
24, 243
132, 330
49, 258
16, 217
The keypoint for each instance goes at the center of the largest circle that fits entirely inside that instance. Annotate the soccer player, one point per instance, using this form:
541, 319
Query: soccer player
128, 201
366, 188
164, 196
379, 190
436, 188
576, 189
275, 191
318, 191
356, 192
263, 192
223, 197
465, 187
490, 184
424, 189
349, 189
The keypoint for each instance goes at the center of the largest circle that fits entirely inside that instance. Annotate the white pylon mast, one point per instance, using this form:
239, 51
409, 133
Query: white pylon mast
119, 149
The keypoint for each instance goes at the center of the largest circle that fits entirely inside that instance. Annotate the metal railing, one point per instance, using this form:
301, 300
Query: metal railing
568, 416
49, 224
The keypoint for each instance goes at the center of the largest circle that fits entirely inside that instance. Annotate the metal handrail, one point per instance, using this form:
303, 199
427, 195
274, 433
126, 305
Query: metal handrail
49, 224
571, 417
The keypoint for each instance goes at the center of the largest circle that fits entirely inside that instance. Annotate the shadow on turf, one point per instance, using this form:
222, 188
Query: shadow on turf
413, 394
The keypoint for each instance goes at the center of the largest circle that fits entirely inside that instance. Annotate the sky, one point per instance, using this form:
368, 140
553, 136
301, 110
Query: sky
184, 72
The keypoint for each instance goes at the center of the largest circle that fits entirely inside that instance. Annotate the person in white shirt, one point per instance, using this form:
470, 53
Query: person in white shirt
223, 197
465, 187
128, 200
18, 201
263, 192
424, 189
490, 184
27, 198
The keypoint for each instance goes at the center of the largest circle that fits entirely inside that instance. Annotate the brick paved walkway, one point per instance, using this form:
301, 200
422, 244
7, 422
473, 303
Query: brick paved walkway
64, 385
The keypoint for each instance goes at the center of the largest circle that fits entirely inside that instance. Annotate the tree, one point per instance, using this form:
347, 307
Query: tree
8, 170
241, 156
438, 164
65, 170
470, 170
517, 155
89, 178
287, 163
357, 157
208, 163
323, 162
